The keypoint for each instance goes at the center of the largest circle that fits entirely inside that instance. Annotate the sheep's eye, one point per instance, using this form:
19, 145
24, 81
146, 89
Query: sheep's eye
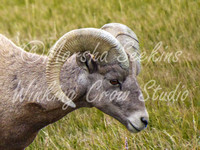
114, 82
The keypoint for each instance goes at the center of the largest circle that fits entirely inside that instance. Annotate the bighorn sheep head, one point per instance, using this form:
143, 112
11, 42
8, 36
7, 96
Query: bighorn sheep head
107, 82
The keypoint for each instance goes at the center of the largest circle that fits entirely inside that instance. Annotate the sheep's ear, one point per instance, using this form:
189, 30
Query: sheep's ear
87, 62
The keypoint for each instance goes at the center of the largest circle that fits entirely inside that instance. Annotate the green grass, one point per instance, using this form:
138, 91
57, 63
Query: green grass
173, 125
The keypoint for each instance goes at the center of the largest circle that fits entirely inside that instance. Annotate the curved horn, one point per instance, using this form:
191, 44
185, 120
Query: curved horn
80, 40
128, 39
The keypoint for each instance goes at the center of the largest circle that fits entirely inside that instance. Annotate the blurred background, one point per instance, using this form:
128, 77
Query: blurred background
169, 25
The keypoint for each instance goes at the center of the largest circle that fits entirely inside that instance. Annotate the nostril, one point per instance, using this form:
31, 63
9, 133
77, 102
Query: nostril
145, 121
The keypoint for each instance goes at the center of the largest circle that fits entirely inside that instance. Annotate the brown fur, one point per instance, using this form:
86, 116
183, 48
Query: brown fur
25, 108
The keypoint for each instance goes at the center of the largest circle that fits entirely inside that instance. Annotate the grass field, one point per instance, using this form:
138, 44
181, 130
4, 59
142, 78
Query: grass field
175, 25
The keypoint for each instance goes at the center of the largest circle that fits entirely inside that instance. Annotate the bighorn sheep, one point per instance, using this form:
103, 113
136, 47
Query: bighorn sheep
33, 90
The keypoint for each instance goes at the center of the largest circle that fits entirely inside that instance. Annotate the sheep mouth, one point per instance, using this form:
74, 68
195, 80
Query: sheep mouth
132, 125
